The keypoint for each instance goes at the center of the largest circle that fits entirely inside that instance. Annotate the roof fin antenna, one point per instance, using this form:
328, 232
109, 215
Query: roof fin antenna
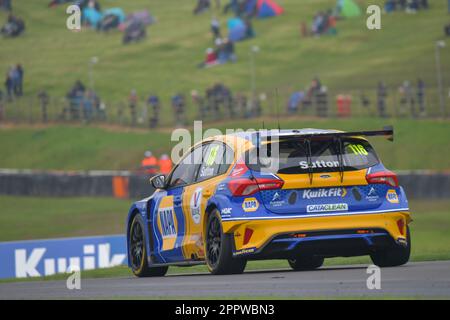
340, 158
309, 159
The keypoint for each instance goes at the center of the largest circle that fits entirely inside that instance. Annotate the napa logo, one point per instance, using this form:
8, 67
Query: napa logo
250, 205
167, 222
392, 196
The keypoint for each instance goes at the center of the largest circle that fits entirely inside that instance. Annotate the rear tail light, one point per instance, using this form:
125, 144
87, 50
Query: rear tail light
247, 186
383, 177
243, 186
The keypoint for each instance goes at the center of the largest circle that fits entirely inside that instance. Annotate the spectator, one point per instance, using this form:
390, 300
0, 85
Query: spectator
132, 102
447, 30
88, 105
202, 6
75, 97
165, 164
321, 98
18, 85
6, 5
154, 103
229, 50
178, 105
421, 96
200, 102
294, 102
215, 28
149, 164
381, 99
9, 86
210, 59
13, 27
44, 101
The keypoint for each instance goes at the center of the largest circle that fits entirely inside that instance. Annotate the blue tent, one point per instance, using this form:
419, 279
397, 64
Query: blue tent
236, 29
118, 12
92, 16
268, 8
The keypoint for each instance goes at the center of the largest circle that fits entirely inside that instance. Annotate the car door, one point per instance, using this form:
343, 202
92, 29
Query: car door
195, 197
169, 225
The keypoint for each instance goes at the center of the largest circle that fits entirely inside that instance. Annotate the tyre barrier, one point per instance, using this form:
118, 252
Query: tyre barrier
126, 184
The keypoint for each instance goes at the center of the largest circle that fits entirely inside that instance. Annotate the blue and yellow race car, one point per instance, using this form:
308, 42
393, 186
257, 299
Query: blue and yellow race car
301, 195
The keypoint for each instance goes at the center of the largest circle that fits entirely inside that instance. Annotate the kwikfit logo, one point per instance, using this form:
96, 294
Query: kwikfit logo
324, 193
29, 264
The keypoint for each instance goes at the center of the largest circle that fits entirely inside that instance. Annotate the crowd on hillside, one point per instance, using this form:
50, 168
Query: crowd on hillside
323, 23
410, 100
410, 6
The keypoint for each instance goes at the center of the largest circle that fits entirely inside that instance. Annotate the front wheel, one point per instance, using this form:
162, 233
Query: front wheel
219, 248
138, 252
304, 263
393, 256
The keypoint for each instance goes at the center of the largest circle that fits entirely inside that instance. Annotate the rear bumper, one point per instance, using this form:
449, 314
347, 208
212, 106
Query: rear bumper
343, 235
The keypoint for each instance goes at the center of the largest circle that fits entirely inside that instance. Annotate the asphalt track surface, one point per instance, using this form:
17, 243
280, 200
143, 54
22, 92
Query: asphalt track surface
414, 280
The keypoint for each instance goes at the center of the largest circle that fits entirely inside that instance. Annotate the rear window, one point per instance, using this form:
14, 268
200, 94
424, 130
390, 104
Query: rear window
356, 154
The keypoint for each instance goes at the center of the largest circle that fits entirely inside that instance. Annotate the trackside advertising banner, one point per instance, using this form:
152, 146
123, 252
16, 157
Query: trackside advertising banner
46, 257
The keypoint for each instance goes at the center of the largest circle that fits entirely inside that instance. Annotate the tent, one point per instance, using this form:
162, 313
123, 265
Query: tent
236, 29
268, 8
92, 16
348, 8
118, 12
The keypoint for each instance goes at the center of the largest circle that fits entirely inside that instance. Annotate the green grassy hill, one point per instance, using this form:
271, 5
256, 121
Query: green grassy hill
165, 63
418, 144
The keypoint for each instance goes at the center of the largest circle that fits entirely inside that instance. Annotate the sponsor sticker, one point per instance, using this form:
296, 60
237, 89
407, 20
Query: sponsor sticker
324, 193
276, 200
392, 196
244, 251
250, 204
372, 195
167, 220
327, 207
196, 204
226, 211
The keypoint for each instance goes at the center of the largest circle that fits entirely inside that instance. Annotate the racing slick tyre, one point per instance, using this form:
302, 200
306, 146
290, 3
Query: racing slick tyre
393, 256
304, 263
138, 251
219, 248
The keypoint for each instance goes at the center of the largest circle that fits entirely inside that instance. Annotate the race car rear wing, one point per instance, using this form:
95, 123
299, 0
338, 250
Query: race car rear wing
387, 132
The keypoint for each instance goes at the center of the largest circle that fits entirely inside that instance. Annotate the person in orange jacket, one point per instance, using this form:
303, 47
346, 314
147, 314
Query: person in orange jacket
149, 164
165, 164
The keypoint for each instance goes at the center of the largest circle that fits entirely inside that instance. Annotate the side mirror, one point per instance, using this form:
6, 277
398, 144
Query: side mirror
158, 181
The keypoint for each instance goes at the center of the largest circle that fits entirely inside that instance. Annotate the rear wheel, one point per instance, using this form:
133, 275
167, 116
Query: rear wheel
138, 252
219, 248
304, 263
393, 256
